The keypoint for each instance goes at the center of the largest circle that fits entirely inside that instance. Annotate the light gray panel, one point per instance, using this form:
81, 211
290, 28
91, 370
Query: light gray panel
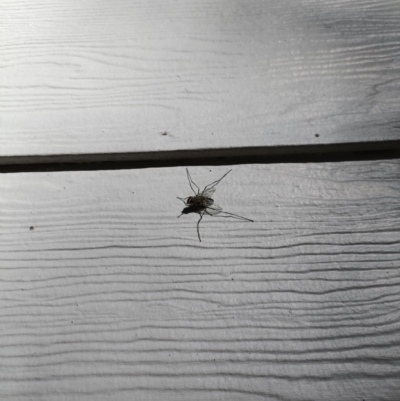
106, 295
87, 78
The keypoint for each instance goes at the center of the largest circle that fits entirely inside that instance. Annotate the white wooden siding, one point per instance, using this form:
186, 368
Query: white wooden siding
106, 295
105, 77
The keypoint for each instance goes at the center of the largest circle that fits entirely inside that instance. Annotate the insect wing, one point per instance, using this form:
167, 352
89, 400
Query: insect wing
208, 193
213, 210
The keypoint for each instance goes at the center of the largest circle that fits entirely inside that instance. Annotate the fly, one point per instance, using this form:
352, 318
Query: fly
203, 204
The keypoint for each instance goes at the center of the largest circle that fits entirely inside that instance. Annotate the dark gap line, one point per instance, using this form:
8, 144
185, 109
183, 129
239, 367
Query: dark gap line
201, 157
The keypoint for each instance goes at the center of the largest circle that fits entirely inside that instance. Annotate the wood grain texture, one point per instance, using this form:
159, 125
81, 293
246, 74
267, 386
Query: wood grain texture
106, 295
82, 78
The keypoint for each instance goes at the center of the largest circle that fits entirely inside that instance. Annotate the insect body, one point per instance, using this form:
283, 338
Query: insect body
202, 203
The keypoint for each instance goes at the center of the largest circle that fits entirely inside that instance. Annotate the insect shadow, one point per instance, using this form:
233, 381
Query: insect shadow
202, 203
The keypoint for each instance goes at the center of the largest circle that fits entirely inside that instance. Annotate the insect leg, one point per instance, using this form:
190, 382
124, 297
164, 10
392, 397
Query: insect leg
182, 199
213, 184
234, 216
192, 182
198, 223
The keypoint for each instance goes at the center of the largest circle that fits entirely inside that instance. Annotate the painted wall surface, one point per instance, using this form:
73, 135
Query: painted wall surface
107, 295
88, 77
